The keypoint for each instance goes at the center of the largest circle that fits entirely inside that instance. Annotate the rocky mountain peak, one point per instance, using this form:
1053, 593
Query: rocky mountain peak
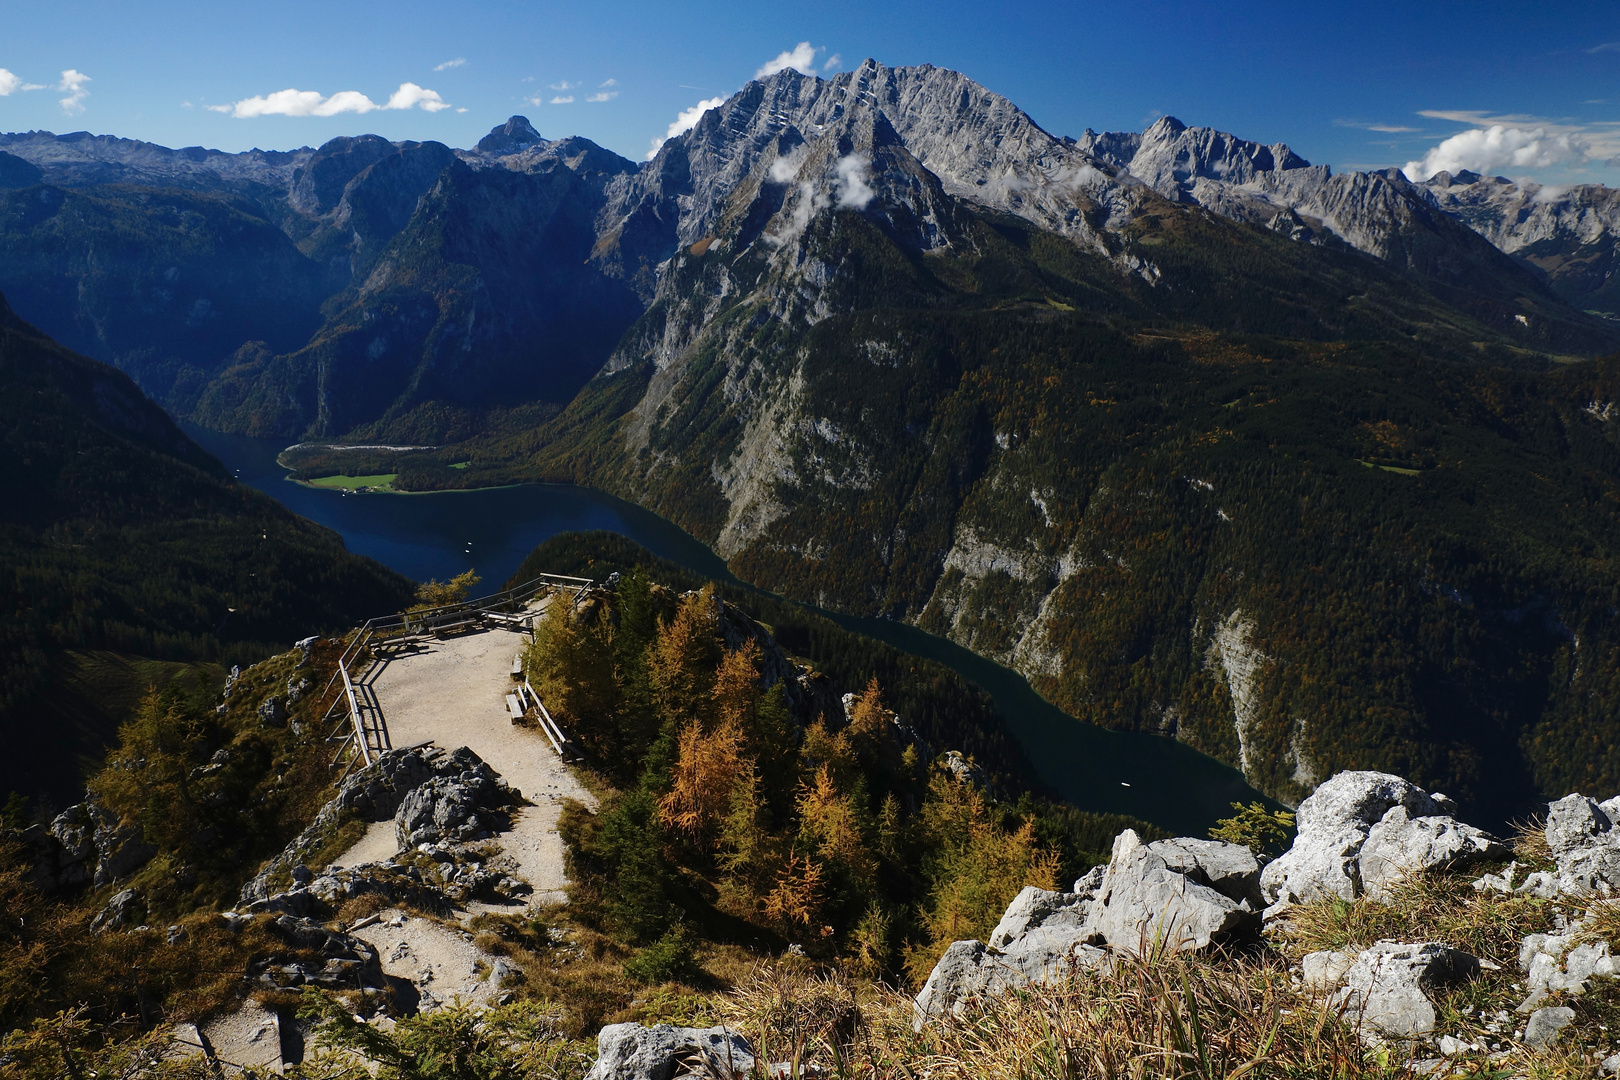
509, 138
1165, 127
976, 145
1172, 157
318, 184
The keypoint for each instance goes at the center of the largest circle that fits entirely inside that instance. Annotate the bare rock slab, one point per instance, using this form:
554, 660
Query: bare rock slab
1183, 893
1387, 988
633, 1052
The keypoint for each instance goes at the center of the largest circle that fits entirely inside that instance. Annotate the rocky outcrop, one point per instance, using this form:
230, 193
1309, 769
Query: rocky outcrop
123, 910
633, 1052
84, 845
317, 957
454, 806
453, 877
1385, 989
1586, 845
374, 793
1564, 963
1361, 832
1180, 894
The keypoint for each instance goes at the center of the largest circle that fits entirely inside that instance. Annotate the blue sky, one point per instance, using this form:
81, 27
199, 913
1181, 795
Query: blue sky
1527, 90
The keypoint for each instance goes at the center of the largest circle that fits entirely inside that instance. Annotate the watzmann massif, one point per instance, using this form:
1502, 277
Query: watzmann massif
1314, 471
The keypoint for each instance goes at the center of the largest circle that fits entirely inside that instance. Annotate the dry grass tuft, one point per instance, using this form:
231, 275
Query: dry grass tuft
359, 907
1424, 907
1168, 1015
812, 1020
582, 972
1529, 844
1163, 1015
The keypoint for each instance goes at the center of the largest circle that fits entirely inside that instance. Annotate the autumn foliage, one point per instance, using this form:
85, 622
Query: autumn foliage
745, 807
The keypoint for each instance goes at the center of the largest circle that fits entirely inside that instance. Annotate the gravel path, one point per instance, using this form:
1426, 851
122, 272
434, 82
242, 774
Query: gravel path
440, 962
453, 692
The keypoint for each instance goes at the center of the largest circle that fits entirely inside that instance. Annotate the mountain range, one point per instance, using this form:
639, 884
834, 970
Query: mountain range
1312, 470
412, 291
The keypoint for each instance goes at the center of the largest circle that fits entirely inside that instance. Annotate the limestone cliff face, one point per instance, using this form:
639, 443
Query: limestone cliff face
758, 168
1452, 237
1568, 234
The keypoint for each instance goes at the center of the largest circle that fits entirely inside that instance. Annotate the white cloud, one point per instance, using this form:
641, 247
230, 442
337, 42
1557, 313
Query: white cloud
851, 189
810, 203
73, 85
409, 95
801, 58
311, 103
10, 84
608, 82
834, 62
564, 85
563, 99
1489, 149
686, 121
457, 62
785, 168
1390, 129
603, 95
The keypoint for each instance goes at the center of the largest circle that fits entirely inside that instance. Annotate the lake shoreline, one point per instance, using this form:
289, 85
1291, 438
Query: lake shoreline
491, 530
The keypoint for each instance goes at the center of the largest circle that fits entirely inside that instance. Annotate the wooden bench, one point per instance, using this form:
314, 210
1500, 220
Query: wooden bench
515, 707
517, 666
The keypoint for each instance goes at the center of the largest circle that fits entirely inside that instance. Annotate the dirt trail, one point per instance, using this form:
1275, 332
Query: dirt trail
453, 692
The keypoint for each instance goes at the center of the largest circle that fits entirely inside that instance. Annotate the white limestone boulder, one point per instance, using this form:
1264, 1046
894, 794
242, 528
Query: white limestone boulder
1042, 937
633, 1052
1181, 893
1362, 831
1386, 990
1585, 843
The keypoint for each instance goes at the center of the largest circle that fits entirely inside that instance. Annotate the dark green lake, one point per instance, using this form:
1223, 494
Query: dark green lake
441, 534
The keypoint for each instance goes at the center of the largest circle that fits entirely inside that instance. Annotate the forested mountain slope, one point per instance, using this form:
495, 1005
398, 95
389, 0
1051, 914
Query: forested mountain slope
1260, 494
1304, 468
119, 533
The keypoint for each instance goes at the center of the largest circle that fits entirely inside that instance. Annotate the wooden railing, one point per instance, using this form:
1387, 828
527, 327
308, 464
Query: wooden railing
407, 627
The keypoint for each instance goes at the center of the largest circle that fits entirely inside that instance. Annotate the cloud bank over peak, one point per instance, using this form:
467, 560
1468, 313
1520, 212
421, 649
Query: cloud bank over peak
1492, 149
686, 121
801, 58
310, 103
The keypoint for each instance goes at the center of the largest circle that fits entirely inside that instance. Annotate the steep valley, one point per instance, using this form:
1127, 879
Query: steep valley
1309, 470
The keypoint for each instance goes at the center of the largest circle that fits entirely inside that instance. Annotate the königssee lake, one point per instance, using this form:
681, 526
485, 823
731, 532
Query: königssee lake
441, 534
